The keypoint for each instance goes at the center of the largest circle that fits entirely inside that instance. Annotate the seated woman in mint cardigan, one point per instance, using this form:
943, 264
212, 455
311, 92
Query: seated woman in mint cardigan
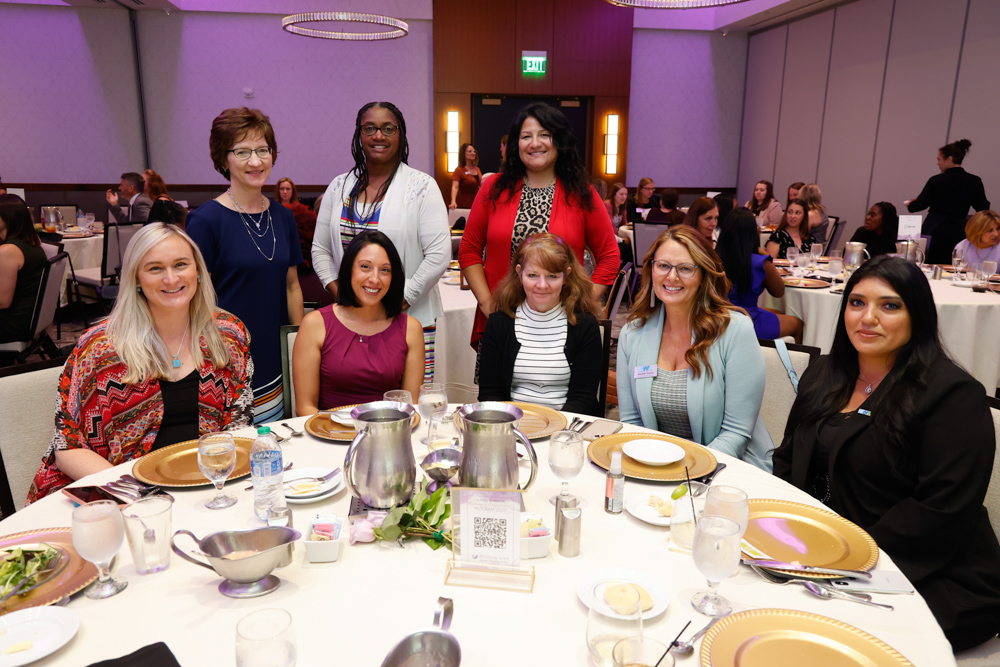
688, 360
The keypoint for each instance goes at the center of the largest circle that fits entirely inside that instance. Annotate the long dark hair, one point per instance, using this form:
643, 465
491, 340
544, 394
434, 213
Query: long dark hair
393, 299
756, 208
890, 222
738, 241
570, 171
15, 214
360, 169
893, 412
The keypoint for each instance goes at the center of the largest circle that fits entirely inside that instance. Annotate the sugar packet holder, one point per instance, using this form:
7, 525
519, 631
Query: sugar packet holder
323, 541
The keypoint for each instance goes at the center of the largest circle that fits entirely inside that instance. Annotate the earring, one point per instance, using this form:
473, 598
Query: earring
652, 297
138, 289
199, 279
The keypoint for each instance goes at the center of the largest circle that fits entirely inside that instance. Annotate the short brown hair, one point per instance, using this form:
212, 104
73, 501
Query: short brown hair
978, 225
235, 125
277, 187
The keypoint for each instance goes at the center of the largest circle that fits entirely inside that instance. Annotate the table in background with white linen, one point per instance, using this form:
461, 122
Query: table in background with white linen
454, 358
85, 252
353, 611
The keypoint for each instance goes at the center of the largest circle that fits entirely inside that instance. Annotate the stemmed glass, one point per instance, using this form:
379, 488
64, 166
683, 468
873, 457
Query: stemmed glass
989, 270
957, 261
266, 638
730, 502
716, 555
608, 622
565, 459
815, 252
98, 534
432, 404
217, 460
398, 396
791, 254
802, 261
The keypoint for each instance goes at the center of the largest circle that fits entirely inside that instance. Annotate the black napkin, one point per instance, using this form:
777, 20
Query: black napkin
154, 655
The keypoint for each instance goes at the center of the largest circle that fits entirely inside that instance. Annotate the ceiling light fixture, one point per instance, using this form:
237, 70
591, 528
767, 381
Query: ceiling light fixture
291, 24
673, 4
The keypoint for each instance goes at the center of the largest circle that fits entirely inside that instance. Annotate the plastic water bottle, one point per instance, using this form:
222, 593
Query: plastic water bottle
266, 468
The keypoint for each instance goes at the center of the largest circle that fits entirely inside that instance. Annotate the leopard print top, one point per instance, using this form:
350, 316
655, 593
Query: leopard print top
533, 213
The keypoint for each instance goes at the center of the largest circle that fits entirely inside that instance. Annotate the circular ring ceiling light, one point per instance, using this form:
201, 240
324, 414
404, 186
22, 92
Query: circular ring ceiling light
400, 28
672, 4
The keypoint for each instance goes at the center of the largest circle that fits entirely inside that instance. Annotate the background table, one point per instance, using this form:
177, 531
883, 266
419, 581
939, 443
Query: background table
85, 253
454, 358
353, 611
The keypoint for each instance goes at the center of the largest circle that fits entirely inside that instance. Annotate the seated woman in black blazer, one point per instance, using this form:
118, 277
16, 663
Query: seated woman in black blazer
893, 435
542, 344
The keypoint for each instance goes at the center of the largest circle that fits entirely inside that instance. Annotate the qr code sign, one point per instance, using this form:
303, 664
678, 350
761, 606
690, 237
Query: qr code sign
490, 533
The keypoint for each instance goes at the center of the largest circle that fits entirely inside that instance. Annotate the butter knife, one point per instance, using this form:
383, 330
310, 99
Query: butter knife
781, 565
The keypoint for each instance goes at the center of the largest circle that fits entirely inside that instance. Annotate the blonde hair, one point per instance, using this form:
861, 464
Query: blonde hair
711, 311
812, 197
130, 326
552, 254
978, 225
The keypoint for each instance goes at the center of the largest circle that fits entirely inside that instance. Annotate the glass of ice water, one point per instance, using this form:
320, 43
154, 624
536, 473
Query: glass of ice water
730, 502
615, 613
217, 460
98, 534
716, 555
566, 458
432, 403
266, 638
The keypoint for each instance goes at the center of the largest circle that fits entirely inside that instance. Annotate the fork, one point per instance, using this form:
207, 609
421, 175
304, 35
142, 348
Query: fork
773, 578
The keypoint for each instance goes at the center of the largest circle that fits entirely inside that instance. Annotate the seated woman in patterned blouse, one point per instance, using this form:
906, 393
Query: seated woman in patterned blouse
166, 366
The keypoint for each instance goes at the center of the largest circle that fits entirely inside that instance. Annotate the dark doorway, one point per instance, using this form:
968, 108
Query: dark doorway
491, 121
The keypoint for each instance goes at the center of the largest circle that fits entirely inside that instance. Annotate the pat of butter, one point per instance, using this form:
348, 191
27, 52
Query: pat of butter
305, 487
20, 647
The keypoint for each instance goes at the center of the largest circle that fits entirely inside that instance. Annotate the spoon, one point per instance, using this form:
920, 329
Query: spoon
827, 594
295, 434
688, 647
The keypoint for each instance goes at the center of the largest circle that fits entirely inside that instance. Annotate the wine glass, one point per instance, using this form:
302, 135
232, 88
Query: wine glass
815, 252
716, 555
266, 638
432, 404
565, 459
398, 396
835, 267
217, 460
989, 270
98, 534
957, 260
610, 622
730, 502
802, 261
791, 254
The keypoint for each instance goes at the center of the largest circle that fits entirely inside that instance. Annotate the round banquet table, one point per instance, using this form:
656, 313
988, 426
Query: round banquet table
968, 321
354, 610
454, 358
86, 252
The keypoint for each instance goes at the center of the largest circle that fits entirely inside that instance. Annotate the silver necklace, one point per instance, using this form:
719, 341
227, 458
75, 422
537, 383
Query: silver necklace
177, 361
250, 231
242, 212
868, 389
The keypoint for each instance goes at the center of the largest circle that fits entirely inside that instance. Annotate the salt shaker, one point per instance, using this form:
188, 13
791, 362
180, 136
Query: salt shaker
282, 516
562, 503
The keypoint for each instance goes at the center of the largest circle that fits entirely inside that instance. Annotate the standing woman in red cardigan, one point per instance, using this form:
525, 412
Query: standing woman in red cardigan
542, 187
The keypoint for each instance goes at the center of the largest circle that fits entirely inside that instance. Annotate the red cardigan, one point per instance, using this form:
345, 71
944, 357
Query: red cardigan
490, 226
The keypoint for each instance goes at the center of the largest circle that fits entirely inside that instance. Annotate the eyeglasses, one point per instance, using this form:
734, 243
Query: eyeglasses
387, 130
683, 270
264, 153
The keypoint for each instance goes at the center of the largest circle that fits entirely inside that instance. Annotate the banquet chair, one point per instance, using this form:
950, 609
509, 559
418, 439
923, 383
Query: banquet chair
52, 249
287, 340
833, 238
28, 395
992, 501
104, 280
604, 326
643, 236
778, 392
43, 315
455, 214
617, 291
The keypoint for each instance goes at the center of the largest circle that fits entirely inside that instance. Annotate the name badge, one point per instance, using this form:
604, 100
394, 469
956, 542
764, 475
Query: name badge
866, 413
644, 372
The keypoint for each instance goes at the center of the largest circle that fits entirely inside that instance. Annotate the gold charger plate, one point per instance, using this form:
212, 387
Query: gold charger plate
457, 232
806, 283
699, 460
539, 421
70, 579
782, 262
324, 428
769, 637
790, 532
176, 466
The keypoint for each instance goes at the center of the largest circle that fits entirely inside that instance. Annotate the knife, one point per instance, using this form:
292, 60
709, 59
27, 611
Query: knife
572, 424
798, 567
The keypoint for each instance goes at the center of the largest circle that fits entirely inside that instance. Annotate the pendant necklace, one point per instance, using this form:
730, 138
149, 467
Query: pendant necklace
177, 361
868, 389
250, 231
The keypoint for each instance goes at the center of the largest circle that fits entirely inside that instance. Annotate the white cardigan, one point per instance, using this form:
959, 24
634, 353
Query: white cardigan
415, 219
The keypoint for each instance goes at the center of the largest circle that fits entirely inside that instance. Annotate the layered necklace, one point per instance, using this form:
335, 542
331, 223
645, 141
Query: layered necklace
259, 233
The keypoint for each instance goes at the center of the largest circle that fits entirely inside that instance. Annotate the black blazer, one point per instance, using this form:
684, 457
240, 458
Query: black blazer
949, 196
929, 519
499, 347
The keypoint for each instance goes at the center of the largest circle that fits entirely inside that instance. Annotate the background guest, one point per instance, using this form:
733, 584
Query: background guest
818, 220
793, 192
164, 208
614, 204
177, 366
364, 345
792, 231
643, 199
138, 206
543, 188
982, 238
764, 206
880, 229
726, 203
948, 195
864, 437
466, 179
667, 212
703, 217
22, 262
251, 247
382, 192
709, 381
543, 345
751, 272
312, 288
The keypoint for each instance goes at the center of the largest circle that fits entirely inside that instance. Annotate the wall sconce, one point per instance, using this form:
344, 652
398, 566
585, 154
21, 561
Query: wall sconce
611, 145
452, 143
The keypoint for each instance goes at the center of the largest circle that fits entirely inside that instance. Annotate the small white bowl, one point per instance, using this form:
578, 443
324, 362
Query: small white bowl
535, 547
653, 452
322, 551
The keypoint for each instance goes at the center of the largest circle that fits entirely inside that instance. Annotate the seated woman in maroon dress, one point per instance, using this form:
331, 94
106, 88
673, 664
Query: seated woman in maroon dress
355, 350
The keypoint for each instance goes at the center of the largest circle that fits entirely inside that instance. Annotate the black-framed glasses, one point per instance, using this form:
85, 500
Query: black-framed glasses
265, 153
370, 129
683, 270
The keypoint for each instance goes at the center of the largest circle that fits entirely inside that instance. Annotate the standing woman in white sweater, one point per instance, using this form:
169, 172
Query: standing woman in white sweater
383, 193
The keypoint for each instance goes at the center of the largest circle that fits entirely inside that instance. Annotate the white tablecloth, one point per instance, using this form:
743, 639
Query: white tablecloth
85, 253
454, 358
353, 611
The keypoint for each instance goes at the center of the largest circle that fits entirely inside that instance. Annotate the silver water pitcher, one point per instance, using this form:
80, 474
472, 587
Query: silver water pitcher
855, 255
379, 467
489, 453
910, 250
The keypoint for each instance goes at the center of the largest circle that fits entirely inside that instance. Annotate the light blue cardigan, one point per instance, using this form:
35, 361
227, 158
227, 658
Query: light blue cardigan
725, 410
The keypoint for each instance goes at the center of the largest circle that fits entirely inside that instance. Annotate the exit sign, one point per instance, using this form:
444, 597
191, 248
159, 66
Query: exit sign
533, 62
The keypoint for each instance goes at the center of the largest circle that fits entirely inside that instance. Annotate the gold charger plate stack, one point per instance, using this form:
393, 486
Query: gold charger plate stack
805, 283
176, 466
770, 637
324, 428
699, 460
70, 579
790, 532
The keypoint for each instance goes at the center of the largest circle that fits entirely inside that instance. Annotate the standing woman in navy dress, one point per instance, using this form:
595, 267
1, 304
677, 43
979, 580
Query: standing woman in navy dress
251, 247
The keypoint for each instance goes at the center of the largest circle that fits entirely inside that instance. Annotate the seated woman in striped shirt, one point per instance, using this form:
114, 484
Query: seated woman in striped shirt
542, 344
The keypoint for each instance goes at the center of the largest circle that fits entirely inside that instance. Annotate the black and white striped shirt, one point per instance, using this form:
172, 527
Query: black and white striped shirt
541, 371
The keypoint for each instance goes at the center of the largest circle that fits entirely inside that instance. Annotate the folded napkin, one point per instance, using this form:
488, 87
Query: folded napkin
154, 655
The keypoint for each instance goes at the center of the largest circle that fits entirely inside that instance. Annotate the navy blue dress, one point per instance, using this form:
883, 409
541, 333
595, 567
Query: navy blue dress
765, 323
251, 286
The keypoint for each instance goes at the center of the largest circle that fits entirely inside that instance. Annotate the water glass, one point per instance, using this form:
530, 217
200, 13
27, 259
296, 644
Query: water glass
683, 520
957, 261
791, 254
432, 403
398, 396
608, 624
217, 460
266, 638
147, 528
990, 269
835, 267
730, 502
803, 262
97, 536
716, 555
815, 252
641, 652
566, 458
